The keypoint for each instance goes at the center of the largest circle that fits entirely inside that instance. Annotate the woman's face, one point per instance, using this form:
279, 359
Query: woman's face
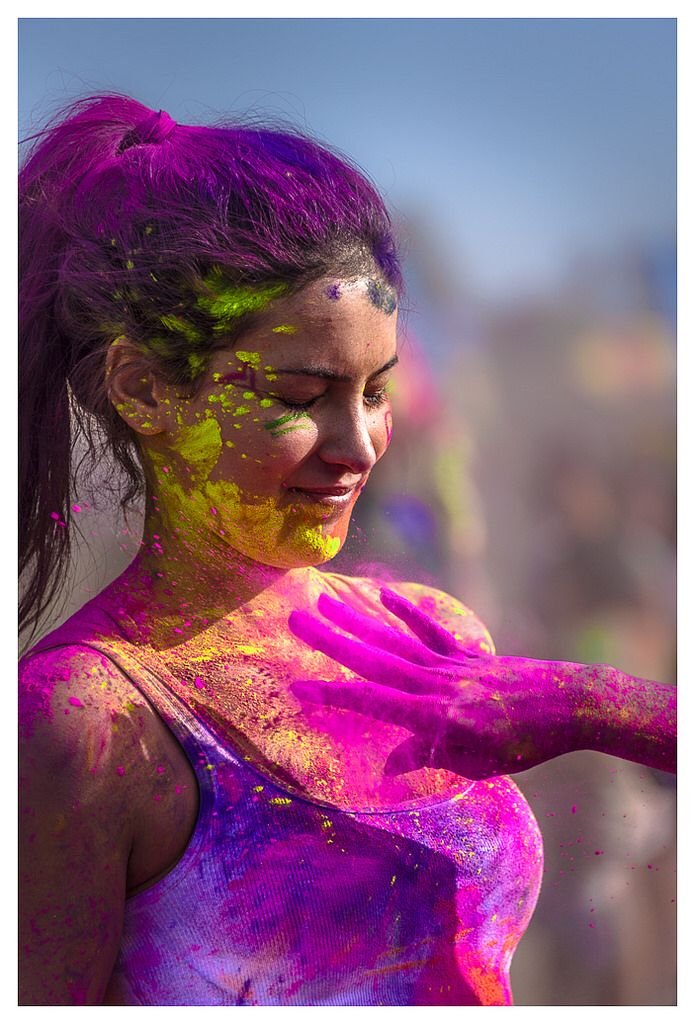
273, 451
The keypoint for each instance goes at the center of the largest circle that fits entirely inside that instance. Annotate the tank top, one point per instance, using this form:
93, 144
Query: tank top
281, 900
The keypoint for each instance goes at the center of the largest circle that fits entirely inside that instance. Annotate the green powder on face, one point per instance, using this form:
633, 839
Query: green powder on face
287, 430
284, 424
284, 329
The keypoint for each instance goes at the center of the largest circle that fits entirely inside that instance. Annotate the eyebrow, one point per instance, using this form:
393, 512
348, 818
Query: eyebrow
327, 374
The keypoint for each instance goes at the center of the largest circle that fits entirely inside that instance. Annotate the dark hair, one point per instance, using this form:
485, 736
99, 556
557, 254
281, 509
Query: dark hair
133, 225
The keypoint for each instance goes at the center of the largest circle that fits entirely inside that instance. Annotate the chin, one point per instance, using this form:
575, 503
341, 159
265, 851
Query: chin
311, 548
301, 547
285, 538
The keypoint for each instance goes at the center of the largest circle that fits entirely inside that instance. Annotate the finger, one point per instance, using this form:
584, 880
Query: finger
430, 632
408, 756
410, 710
371, 631
371, 662
426, 752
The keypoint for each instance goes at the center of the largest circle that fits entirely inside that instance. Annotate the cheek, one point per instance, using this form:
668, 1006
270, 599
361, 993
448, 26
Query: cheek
288, 423
381, 431
388, 427
258, 452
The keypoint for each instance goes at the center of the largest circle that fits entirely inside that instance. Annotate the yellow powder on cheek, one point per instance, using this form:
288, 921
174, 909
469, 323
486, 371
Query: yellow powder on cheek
200, 446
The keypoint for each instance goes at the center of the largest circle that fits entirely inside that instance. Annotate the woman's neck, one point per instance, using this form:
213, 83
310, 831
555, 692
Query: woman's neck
179, 585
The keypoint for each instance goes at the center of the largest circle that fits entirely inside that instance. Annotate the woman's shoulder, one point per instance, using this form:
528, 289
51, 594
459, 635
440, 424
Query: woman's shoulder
86, 732
72, 695
445, 609
70, 687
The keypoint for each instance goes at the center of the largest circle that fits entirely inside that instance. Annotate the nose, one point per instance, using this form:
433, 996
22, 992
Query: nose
351, 439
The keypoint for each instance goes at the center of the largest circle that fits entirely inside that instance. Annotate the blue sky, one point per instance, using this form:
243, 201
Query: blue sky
519, 142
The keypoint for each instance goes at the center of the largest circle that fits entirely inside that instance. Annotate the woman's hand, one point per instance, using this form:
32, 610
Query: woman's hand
471, 712
478, 714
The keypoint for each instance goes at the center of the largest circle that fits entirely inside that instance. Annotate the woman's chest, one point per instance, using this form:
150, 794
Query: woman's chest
431, 898
240, 687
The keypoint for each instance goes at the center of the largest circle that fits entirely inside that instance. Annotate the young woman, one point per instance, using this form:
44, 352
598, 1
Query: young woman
216, 308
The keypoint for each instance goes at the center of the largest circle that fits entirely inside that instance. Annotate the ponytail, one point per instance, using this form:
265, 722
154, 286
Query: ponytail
44, 424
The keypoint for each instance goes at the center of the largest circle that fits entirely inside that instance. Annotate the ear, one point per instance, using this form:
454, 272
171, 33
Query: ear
137, 393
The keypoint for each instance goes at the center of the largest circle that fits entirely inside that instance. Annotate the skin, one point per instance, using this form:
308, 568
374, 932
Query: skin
477, 714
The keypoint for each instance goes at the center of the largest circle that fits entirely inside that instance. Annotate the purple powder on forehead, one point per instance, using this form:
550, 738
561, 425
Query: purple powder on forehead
333, 291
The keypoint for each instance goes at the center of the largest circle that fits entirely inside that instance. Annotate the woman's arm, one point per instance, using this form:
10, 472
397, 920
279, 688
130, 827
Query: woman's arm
76, 825
477, 714
621, 715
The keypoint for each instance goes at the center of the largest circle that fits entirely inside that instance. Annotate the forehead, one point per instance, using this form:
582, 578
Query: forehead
348, 324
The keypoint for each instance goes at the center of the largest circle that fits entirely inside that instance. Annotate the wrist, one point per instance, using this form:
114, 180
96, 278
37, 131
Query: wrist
618, 714
587, 690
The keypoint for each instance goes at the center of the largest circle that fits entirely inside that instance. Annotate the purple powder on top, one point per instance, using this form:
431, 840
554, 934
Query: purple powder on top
333, 292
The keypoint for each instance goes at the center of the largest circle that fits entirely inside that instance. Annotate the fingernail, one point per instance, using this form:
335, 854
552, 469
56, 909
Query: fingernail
296, 618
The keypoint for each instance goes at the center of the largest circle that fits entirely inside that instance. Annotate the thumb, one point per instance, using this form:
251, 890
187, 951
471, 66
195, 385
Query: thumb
409, 755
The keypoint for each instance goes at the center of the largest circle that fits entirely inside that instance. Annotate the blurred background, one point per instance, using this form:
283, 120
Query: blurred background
530, 168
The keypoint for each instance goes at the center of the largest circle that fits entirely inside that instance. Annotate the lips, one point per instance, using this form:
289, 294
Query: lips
335, 496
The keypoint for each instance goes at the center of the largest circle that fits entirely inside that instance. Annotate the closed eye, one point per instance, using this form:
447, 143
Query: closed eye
373, 400
376, 398
297, 405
